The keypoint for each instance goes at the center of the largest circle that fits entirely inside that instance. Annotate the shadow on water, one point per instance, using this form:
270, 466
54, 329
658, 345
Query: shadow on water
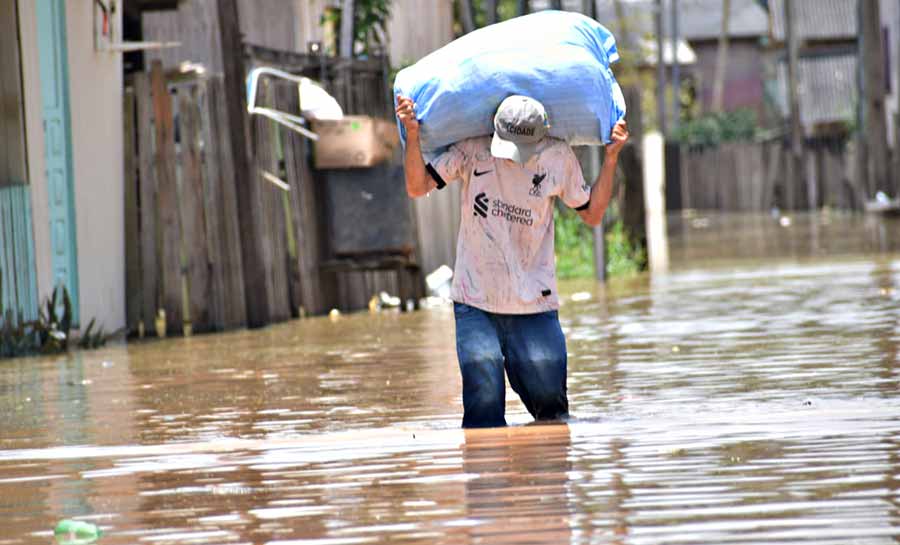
749, 396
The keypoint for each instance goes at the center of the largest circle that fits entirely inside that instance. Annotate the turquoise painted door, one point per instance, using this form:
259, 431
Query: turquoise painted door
51, 17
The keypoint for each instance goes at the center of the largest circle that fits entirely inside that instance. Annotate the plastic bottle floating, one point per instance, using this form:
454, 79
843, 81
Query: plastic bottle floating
76, 532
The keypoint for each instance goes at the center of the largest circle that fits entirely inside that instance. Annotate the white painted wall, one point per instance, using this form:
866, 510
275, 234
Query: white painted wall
34, 147
96, 90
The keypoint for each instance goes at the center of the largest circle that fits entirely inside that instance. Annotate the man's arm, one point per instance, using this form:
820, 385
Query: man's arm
418, 181
601, 191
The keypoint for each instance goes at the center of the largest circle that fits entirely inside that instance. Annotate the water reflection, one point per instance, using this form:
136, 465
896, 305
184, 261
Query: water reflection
750, 396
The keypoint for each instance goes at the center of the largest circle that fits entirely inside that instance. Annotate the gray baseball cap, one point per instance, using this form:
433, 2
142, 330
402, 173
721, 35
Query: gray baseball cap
519, 124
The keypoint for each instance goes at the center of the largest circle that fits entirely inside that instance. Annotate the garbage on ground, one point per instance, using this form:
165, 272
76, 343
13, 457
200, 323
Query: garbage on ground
559, 58
581, 296
385, 300
353, 142
439, 281
76, 532
316, 103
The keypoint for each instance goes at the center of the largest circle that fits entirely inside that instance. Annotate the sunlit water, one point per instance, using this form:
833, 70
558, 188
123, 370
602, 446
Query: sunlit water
749, 396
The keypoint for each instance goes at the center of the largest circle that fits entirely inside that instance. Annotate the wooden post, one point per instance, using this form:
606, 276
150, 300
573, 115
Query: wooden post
633, 212
304, 215
223, 228
133, 277
150, 292
193, 215
794, 160
246, 185
168, 203
874, 126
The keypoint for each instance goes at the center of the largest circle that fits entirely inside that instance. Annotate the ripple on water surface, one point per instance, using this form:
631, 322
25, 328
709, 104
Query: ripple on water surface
752, 402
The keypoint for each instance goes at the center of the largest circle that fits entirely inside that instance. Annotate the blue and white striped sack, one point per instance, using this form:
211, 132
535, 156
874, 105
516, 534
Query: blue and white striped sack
561, 59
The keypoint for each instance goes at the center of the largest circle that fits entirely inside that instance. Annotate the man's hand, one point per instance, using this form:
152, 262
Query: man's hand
418, 182
406, 113
618, 138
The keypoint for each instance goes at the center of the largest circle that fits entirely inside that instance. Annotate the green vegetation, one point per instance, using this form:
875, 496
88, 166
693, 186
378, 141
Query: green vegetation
623, 256
574, 245
716, 128
49, 334
369, 28
575, 248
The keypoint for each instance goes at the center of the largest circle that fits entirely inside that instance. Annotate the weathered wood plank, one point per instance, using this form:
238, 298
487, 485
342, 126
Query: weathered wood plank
247, 192
304, 212
193, 214
223, 208
149, 221
210, 162
274, 234
167, 201
133, 277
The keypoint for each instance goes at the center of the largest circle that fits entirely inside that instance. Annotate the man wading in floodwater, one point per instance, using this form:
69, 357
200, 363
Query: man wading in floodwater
504, 285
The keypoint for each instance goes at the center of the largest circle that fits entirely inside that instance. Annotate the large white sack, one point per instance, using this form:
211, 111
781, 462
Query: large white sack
560, 58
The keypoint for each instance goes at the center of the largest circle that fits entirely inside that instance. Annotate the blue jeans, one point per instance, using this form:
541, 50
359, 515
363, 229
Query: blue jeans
532, 350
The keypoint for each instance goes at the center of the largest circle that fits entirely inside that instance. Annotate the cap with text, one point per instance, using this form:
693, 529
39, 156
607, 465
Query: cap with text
519, 124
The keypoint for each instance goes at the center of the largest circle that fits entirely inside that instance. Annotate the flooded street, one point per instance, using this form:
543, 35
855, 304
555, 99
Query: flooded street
751, 395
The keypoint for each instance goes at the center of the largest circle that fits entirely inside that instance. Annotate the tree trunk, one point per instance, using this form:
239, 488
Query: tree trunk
465, 13
722, 58
874, 127
795, 163
490, 12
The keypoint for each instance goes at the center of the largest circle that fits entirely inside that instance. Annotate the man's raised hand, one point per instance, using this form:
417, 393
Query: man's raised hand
406, 113
618, 138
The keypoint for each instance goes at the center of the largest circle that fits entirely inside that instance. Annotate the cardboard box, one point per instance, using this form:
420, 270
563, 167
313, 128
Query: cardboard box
356, 141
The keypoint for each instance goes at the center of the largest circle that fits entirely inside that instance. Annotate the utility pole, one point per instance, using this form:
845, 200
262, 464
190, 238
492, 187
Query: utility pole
676, 68
660, 70
247, 186
874, 174
795, 170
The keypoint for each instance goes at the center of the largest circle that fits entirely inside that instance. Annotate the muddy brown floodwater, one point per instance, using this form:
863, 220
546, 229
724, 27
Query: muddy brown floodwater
749, 396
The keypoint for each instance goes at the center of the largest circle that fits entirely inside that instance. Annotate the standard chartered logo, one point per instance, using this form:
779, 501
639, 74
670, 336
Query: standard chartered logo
500, 209
511, 212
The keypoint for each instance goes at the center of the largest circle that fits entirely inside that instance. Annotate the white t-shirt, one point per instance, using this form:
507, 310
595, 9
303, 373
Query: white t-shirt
505, 261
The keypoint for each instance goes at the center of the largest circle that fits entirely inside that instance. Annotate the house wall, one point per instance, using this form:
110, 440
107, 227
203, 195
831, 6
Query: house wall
95, 88
34, 148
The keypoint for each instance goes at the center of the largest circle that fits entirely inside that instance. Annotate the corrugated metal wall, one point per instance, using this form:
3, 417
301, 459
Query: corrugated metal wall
17, 271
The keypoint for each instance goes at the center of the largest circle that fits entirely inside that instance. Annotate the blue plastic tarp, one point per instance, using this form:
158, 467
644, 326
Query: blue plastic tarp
560, 58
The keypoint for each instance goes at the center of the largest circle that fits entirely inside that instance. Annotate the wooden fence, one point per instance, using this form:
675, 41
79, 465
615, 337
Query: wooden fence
183, 248
751, 176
